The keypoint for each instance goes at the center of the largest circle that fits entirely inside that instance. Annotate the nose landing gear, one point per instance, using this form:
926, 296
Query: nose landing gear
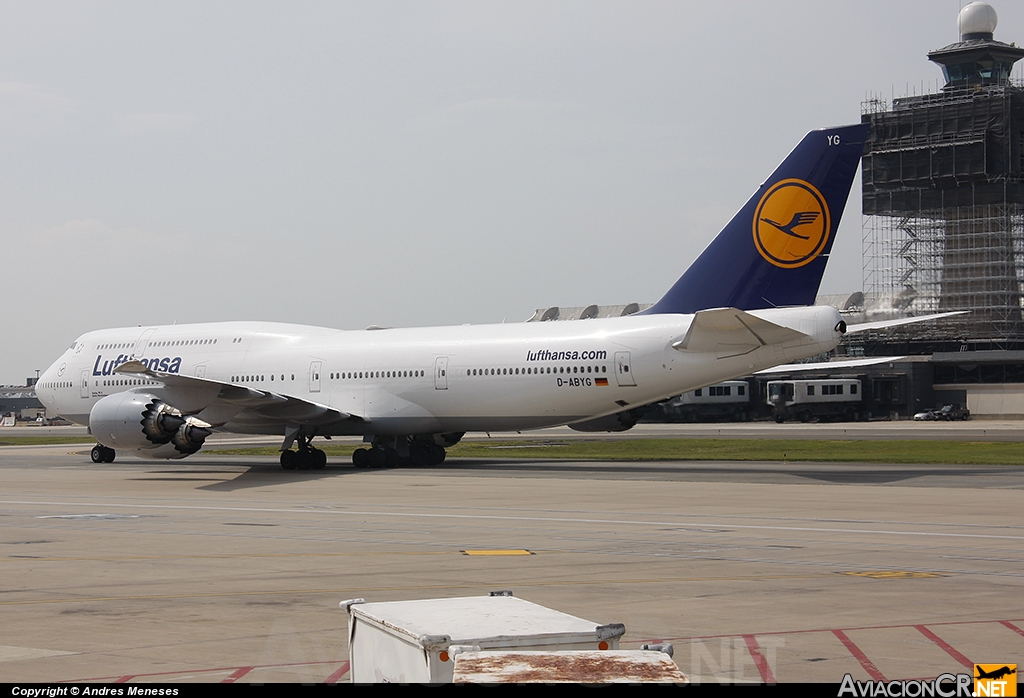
102, 454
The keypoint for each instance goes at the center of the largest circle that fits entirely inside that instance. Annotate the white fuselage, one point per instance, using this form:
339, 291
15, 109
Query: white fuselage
428, 380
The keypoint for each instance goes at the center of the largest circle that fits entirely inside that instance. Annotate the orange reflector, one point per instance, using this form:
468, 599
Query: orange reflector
443, 656
496, 552
602, 645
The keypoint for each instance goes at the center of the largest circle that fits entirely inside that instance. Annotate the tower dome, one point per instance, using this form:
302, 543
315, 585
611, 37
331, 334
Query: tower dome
977, 21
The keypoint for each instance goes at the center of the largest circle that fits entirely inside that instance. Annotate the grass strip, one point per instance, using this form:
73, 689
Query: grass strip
780, 450
42, 440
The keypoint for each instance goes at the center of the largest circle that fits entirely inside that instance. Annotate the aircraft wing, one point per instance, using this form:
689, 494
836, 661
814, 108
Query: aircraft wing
731, 332
223, 402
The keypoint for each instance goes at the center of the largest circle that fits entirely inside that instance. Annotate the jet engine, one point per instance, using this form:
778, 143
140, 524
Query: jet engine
146, 425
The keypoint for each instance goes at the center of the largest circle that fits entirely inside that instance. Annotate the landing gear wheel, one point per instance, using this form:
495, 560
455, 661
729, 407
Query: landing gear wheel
361, 458
288, 460
319, 459
303, 459
419, 453
102, 454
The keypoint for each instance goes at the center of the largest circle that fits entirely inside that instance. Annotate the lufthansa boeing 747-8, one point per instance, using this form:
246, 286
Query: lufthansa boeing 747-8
742, 306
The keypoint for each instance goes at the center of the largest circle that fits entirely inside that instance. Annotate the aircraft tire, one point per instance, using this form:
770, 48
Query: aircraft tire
303, 459
361, 458
438, 455
319, 461
419, 454
102, 454
288, 460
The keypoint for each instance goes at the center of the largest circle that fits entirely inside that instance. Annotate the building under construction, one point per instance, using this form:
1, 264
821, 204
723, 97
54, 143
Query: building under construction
943, 199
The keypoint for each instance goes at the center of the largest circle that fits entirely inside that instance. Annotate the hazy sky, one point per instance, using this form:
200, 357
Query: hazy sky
408, 163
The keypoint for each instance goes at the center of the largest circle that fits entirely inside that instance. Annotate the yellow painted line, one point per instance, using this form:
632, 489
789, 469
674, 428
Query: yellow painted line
894, 574
496, 552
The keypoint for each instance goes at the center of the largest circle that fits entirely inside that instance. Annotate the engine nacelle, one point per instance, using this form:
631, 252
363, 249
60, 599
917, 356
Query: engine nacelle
146, 425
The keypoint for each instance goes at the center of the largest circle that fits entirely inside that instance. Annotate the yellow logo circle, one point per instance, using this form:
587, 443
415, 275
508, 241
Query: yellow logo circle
791, 224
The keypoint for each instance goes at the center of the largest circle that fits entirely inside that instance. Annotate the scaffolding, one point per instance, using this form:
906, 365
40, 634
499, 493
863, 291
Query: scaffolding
943, 203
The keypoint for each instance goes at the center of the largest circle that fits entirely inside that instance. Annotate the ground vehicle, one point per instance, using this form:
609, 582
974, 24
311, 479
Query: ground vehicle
946, 413
824, 398
954, 411
718, 402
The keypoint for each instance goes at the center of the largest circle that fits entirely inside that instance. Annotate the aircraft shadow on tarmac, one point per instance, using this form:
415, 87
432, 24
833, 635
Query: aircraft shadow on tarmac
270, 473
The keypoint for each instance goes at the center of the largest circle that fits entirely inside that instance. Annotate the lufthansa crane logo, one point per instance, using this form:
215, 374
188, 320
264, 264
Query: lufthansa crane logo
791, 224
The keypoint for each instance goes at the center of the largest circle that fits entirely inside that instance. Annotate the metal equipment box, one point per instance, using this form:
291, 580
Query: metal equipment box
413, 641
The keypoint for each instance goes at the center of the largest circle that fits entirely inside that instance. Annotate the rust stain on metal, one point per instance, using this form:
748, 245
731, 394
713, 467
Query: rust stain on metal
575, 667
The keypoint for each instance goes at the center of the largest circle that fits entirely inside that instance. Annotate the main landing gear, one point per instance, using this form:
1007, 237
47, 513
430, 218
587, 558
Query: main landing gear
384, 451
307, 457
102, 454
398, 451
386, 457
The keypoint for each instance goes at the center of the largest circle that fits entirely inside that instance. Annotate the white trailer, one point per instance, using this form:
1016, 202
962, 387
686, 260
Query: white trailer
824, 398
415, 641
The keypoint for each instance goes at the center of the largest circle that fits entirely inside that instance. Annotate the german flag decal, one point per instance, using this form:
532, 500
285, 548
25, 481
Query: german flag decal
601, 381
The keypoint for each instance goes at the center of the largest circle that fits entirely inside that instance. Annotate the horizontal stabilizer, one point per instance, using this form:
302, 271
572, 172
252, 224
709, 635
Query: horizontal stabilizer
831, 366
731, 332
885, 324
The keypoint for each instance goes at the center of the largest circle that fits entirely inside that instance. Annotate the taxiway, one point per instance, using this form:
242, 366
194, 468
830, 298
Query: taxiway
226, 568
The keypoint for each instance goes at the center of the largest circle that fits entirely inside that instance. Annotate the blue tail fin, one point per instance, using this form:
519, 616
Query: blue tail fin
773, 252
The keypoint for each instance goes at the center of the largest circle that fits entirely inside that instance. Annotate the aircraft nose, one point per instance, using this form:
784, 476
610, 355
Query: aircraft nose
57, 371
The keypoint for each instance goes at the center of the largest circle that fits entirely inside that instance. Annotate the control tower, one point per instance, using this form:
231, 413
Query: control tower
943, 196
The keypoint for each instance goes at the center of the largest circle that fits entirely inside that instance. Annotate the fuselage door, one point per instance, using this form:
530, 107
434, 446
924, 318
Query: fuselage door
140, 346
314, 376
441, 373
85, 383
623, 369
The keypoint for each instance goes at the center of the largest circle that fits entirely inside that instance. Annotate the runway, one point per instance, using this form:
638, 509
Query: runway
224, 568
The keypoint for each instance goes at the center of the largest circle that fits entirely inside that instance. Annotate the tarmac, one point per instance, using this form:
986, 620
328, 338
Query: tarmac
230, 569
